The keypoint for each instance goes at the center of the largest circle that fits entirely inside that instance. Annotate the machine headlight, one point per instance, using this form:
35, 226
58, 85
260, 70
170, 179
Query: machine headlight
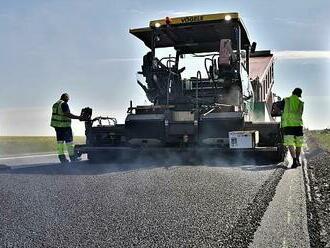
157, 25
227, 17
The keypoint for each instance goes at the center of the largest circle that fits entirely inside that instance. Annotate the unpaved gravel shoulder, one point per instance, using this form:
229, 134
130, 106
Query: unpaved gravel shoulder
318, 169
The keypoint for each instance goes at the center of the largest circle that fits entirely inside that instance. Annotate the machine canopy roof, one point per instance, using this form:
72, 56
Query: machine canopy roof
194, 34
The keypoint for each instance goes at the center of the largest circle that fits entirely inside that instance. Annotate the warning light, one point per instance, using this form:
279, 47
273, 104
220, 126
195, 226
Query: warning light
228, 17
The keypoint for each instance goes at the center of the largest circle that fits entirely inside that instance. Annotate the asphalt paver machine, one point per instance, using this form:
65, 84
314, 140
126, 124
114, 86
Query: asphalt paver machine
223, 106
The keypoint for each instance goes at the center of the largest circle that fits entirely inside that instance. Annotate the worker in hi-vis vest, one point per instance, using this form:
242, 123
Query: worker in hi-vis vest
292, 125
61, 121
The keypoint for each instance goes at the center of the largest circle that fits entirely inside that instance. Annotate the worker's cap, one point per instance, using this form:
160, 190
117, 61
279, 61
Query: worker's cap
297, 92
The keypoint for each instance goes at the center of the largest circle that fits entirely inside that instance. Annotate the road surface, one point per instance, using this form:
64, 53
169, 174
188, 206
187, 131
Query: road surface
150, 204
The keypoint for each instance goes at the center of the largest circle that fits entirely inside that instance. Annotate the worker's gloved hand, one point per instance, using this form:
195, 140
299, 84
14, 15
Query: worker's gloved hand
83, 118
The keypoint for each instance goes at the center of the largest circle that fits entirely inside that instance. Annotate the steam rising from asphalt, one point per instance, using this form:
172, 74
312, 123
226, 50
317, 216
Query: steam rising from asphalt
165, 159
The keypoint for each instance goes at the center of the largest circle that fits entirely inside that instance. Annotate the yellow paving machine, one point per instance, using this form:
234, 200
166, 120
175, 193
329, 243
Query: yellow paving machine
211, 96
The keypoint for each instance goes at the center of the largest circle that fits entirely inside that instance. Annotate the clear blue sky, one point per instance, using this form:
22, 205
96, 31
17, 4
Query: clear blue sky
83, 47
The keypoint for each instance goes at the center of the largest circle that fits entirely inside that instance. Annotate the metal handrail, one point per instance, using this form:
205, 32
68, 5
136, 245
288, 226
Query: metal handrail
109, 119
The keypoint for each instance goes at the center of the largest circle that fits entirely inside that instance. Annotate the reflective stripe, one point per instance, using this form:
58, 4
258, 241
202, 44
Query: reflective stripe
60, 124
57, 115
60, 148
70, 147
59, 120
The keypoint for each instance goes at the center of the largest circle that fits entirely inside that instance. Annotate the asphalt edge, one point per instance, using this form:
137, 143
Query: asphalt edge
250, 218
4, 167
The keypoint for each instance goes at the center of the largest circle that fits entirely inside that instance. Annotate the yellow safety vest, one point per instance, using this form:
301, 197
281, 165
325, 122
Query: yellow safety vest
293, 110
58, 117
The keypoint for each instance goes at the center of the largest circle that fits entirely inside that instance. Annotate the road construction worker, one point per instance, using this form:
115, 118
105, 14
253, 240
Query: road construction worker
292, 125
61, 121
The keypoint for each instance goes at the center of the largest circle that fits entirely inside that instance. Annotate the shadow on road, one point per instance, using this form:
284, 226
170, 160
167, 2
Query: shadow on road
87, 168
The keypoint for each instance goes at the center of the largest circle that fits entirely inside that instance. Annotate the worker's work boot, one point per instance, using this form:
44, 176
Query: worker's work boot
294, 164
75, 159
63, 159
298, 162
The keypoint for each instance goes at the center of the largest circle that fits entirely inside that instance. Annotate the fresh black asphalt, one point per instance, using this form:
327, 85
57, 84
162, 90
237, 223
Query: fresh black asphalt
135, 205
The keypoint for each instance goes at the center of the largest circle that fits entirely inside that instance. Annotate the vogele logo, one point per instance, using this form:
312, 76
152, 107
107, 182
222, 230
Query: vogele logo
192, 19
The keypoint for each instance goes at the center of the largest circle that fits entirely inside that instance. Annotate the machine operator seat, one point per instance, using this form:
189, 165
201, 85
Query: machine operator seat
157, 78
154, 74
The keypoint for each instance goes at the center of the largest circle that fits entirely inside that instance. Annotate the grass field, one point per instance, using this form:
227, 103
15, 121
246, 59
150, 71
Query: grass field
322, 137
17, 145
